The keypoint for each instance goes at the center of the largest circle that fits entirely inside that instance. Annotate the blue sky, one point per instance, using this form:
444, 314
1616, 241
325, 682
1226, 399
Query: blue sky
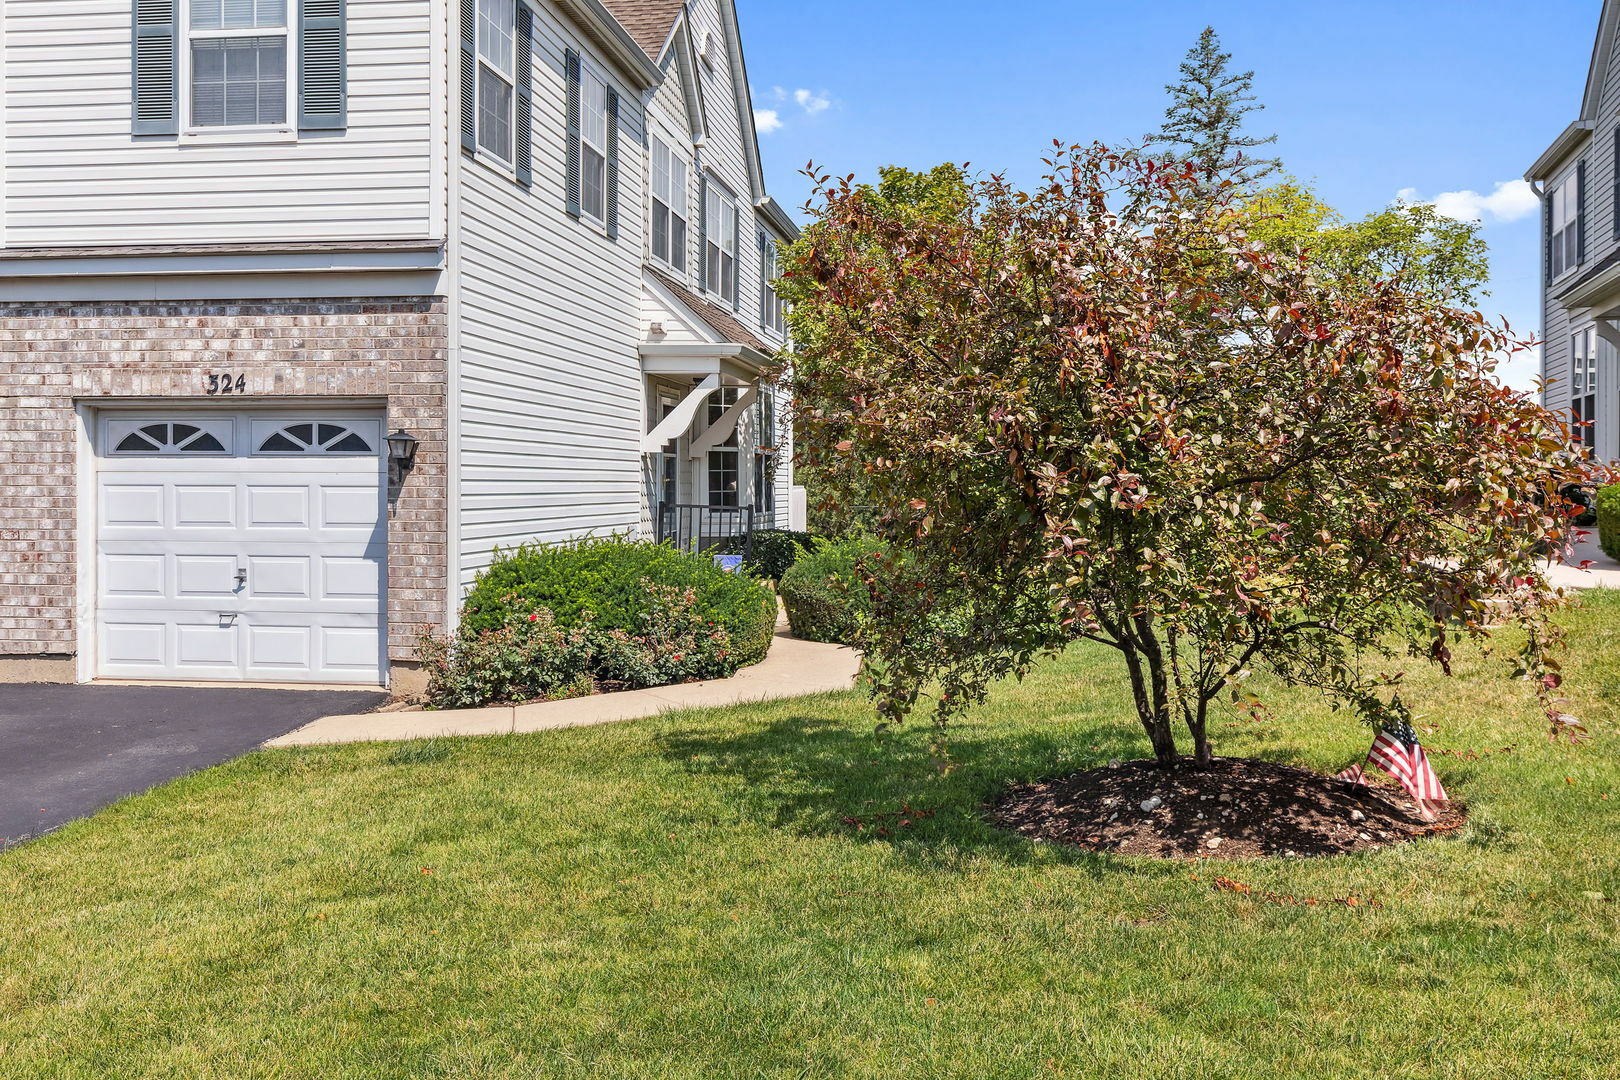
1368, 97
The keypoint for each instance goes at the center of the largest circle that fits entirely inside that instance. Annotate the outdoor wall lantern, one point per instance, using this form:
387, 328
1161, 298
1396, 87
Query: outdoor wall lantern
401, 456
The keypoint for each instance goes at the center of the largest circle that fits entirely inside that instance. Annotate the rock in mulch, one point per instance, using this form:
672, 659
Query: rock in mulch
1233, 809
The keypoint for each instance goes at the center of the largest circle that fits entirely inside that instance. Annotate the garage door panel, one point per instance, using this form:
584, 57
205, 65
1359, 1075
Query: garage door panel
307, 529
138, 506
278, 507
144, 576
280, 577
210, 576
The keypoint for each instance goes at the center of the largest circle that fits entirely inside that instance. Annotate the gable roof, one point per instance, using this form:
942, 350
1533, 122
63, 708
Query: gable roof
649, 22
1572, 137
724, 324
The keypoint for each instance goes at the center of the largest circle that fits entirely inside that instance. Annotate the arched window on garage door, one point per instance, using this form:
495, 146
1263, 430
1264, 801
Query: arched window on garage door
139, 437
314, 437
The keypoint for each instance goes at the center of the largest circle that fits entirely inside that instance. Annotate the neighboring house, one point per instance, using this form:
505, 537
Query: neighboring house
242, 242
1578, 179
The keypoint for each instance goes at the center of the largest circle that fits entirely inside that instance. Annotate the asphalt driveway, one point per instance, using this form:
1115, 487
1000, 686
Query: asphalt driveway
68, 750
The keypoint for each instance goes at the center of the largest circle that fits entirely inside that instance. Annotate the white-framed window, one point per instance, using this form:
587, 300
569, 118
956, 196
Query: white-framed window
772, 311
669, 205
720, 243
238, 54
1583, 386
1564, 224
593, 144
766, 455
144, 438
497, 76
725, 477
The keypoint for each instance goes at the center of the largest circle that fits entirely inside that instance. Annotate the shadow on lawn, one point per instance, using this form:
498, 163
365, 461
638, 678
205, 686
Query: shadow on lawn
823, 776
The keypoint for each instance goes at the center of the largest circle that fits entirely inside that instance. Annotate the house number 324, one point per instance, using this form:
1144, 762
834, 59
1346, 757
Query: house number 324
227, 384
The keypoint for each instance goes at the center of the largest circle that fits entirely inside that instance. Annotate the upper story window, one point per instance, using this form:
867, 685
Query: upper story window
238, 51
669, 187
1564, 233
772, 311
593, 145
720, 226
216, 65
1583, 386
497, 81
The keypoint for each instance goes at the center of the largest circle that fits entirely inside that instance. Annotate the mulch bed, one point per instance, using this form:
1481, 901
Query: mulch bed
1234, 809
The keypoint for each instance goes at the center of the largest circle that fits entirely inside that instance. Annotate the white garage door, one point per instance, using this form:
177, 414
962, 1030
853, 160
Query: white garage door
241, 546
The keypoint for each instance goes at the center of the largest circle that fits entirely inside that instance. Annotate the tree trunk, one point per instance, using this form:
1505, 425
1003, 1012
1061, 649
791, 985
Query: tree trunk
1199, 726
1149, 688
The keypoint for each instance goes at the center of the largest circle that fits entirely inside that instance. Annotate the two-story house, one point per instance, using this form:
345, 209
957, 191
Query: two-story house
308, 306
1578, 179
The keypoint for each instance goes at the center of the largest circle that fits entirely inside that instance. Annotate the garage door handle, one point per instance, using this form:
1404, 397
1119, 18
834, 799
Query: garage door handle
241, 578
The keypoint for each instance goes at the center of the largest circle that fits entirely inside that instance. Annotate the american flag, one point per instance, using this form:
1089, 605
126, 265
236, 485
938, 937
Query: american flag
1396, 751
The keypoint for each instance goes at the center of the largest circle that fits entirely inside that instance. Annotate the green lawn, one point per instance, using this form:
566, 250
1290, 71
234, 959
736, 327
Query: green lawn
681, 898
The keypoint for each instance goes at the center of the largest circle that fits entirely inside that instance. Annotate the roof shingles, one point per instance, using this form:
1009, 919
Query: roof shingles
648, 21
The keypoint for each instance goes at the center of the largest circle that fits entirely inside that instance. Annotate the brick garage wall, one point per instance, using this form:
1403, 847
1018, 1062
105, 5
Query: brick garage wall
53, 355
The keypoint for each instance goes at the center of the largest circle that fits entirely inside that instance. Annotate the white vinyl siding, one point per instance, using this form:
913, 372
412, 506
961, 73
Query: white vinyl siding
552, 394
74, 177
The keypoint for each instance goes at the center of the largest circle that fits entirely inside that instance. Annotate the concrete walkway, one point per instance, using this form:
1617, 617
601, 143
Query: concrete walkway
1604, 573
794, 668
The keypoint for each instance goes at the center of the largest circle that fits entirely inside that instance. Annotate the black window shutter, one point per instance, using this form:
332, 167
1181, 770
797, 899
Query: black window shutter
736, 259
155, 67
322, 88
703, 232
524, 154
764, 286
613, 164
1614, 214
571, 63
1580, 213
469, 76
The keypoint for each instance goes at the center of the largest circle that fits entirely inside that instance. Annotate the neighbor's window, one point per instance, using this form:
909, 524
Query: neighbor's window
497, 52
765, 459
772, 311
720, 240
238, 56
723, 473
1583, 386
1564, 224
593, 140
669, 186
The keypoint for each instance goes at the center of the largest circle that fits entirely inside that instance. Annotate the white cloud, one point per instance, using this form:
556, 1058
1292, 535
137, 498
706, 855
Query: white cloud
767, 120
812, 103
1512, 200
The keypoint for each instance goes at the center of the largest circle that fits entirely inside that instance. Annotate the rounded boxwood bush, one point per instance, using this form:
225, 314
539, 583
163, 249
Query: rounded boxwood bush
1608, 520
604, 576
823, 592
773, 551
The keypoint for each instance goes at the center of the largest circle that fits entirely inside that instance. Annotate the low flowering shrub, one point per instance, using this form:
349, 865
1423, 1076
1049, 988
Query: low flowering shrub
675, 644
1608, 520
527, 658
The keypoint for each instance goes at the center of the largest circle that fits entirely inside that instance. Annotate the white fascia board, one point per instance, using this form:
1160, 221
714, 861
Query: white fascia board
261, 286
725, 425
737, 364
680, 418
1568, 141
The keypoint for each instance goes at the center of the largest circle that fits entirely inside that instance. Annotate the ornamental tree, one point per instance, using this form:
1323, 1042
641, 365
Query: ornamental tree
1101, 410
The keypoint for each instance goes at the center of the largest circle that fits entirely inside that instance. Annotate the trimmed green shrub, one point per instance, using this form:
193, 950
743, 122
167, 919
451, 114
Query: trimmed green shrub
823, 592
774, 551
606, 576
1608, 520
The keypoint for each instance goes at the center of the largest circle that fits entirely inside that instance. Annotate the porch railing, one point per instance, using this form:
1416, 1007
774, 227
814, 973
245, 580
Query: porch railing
699, 529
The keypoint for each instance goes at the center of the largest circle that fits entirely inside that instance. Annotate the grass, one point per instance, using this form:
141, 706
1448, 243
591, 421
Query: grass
682, 899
